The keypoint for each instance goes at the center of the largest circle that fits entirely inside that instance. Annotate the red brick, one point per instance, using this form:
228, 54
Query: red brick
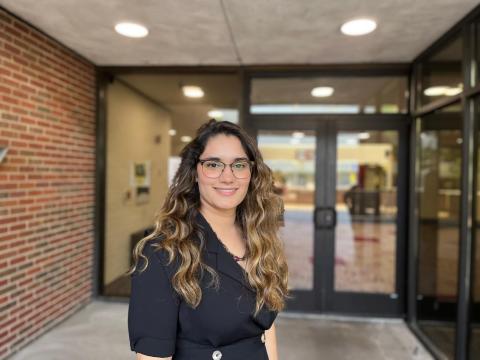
11, 49
47, 109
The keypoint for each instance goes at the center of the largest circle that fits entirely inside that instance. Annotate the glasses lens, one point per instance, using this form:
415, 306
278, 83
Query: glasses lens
241, 169
212, 168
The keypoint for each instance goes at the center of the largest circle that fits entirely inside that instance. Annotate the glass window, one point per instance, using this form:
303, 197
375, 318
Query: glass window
441, 73
438, 208
475, 313
475, 75
150, 118
366, 205
291, 156
329, 95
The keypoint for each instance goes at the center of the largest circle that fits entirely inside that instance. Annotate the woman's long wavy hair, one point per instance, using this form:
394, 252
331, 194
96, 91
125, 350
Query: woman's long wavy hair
258, 215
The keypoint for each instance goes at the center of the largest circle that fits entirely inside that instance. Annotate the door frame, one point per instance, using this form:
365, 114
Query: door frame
322, 299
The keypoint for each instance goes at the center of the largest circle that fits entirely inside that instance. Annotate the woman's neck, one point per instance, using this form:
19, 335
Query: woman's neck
222, 220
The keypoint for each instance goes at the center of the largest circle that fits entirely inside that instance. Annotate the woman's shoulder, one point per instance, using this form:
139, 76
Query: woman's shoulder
155, 251
154, 248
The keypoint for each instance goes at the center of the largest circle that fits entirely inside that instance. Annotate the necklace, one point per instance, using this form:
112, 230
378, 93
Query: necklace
235, 257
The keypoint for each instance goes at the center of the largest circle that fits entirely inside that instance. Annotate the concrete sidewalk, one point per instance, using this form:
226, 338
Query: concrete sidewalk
99, 332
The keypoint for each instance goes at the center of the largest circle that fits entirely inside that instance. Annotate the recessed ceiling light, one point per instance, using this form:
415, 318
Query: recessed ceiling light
192, 91
358, 27
172, 132
442, 90
322, 91
435, 90
215, 114
131, 30
186, 138
298, 134
452, 91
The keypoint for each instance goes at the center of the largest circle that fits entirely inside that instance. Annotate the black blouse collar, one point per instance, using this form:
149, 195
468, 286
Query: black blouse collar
212, 243
224, 262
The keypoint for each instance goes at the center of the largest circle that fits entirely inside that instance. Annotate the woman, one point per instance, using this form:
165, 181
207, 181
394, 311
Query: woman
211, 278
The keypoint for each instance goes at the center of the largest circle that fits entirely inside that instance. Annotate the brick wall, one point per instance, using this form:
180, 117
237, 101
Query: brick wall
47, 119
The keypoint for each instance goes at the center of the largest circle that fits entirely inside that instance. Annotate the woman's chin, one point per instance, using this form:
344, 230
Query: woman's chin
226, 205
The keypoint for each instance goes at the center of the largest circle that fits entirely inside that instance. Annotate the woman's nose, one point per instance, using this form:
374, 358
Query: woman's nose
227, 174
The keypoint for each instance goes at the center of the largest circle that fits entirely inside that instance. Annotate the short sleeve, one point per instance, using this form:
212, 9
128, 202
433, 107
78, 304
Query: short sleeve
153, 307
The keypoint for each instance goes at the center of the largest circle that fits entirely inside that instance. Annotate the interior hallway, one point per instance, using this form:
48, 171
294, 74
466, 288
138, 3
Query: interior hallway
99, 332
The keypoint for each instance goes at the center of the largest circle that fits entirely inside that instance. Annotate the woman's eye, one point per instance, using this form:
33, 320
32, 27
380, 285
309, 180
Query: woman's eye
212, 164
240, 165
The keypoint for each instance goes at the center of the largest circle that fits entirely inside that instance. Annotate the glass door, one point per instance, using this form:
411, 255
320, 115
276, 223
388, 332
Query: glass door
363, 237
291, 156
344, 188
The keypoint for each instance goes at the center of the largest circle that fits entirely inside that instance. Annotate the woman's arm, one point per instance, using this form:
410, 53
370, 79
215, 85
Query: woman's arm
146, 357
271, 343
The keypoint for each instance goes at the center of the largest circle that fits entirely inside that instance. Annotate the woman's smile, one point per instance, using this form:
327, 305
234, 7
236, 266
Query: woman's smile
226, 191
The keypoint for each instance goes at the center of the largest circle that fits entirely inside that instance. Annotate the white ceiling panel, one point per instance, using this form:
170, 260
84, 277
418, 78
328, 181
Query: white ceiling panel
308, 32
190, 32
234, 32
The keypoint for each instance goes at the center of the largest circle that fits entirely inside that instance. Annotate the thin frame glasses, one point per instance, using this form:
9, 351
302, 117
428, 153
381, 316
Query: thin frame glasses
213, 169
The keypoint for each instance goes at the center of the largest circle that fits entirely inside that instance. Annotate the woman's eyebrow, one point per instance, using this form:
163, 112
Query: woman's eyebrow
217, 158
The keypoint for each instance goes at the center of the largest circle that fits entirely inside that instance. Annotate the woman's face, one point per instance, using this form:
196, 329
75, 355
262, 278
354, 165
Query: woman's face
225, 192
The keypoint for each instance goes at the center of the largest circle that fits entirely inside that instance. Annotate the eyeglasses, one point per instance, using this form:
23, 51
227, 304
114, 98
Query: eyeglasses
214, 168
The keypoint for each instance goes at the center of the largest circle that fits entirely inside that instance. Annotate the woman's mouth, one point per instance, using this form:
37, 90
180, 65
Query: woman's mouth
226, 191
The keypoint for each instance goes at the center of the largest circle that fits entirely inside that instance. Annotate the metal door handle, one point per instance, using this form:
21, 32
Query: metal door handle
325, 217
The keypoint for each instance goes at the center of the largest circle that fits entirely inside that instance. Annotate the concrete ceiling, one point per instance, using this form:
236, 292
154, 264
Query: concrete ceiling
234, 32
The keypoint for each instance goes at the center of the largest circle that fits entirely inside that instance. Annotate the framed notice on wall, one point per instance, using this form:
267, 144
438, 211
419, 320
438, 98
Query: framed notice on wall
140, 180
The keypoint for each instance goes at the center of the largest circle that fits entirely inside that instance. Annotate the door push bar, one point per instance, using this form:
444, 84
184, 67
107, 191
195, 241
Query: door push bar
325, 217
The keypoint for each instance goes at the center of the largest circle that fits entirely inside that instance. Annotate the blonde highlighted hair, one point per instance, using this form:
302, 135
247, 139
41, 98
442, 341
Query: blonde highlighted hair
258, 216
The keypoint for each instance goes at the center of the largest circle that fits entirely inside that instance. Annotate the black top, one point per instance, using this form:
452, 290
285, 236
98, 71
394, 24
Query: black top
161, 324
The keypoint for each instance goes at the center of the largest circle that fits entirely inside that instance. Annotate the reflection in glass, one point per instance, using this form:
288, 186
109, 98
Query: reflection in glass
441, 74
291, 156
147, 118
366, 205
475, 311
333, 95
438, 193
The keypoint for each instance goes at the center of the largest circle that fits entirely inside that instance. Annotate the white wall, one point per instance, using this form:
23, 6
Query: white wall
133, 121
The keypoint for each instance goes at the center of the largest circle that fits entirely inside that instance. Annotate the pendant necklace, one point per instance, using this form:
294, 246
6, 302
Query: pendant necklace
235, 257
